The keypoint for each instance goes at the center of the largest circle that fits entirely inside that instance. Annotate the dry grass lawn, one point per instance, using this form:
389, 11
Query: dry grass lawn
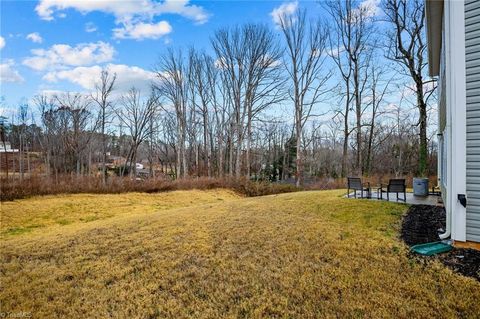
305, 254
26, 215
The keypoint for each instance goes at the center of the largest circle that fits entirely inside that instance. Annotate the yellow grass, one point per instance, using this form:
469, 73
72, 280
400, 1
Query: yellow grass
306, 254
26, 215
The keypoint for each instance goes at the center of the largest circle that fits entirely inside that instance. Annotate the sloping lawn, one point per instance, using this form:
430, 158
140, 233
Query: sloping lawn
305, 254
26, 215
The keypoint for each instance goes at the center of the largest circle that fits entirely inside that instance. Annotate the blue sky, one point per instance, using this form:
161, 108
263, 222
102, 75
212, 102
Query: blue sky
58, 45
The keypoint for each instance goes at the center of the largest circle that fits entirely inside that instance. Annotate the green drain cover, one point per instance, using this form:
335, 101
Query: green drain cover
430, 249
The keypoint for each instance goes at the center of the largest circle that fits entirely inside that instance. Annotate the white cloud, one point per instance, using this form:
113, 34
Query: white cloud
285, 10
34, 37
269, 62
141, 30
410, 89
367, 9
64, 55
53, 93
46, 8
334, 51
2, 43
8, 72
220, 63
124, 10
372, 7
90, 27
181, 7
391, 107
87, 77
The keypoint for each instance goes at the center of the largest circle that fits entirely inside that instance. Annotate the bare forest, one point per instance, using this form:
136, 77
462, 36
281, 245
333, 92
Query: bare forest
314, 98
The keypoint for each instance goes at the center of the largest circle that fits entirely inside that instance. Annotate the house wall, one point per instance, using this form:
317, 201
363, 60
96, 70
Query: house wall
472, 57
453, 106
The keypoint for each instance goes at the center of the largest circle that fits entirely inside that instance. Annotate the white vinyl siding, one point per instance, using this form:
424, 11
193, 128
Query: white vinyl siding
472, 55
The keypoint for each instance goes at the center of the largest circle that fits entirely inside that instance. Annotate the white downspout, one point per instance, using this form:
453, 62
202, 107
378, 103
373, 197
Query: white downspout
447, 148
446, 145
446, 151
448, 228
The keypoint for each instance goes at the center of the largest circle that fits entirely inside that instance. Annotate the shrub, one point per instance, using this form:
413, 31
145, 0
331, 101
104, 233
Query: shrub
12, 189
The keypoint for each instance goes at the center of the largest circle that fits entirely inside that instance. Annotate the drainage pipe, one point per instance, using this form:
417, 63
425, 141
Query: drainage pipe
448, 228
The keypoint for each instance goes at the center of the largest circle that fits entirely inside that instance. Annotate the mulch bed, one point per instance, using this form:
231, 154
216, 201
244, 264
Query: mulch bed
423, 223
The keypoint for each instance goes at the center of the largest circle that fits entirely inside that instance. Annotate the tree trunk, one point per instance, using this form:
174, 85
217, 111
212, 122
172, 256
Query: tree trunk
238, 158
20, 154
249, 136
104, 150
370, 136
178, 166
206, 144
358, 111
78, 166
197, 158
221, 165
134, 162
6, 161
298, 146
28, 164
89, 170
184, 157
422, 157
230, 155
346, 134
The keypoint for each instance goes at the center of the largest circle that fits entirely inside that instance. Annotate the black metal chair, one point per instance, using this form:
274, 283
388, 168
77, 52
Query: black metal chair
396, 185
436, 190
355, 183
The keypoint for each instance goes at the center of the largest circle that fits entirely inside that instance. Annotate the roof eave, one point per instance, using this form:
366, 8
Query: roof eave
434, 15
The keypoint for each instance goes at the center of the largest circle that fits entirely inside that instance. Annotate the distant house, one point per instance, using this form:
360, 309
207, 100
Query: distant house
115, 161
7, 148
453, 32
8, 157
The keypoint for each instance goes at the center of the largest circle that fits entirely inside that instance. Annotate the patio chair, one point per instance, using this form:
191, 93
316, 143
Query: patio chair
436, 190
355, 183
396, 185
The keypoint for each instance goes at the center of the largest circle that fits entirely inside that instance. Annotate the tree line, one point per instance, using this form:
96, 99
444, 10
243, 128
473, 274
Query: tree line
221, 112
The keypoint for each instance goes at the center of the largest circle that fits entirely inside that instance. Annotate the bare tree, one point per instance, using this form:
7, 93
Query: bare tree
377, 97
230, 48
172, 85
407, 46
3, 138
264, 86
76, 126
101, 97
345, 66
222, 114
221, 110
305, 65
351, 50
22, 118
248, 59
44, 104
135, 114
201, 71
